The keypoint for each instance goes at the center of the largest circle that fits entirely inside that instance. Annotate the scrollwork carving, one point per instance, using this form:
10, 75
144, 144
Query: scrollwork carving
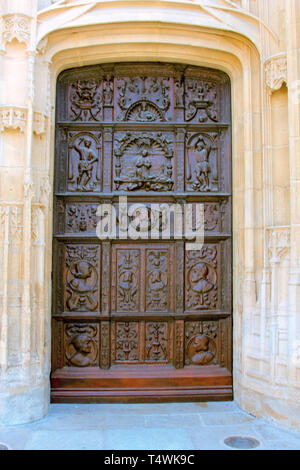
201, 100
143, 99
85, 100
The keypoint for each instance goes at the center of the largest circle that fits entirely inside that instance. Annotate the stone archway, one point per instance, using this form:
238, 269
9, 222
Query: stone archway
239, 50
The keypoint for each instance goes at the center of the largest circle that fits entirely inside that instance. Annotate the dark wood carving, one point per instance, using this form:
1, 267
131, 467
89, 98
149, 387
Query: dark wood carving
82, 278
200, 343
81, 344
143, 161
202, 278
143, 318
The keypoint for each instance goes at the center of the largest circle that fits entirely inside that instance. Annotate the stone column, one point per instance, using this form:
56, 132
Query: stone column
24, 196
293, 73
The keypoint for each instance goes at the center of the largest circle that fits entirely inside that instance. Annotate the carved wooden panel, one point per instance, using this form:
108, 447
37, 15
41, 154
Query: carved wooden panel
202, 278
143, 161
85, 100
201, 343
84, 165
81, 278
81, 344
141, 317
143, 99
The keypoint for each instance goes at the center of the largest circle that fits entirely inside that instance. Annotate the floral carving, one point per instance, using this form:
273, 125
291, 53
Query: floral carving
144, 162
16, 27
81, 345
157, 341
127, 341
39, 123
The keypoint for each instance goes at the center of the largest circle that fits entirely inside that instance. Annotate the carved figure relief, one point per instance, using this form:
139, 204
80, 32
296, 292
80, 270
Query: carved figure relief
127, 341
84, 164
202, 278
82, 278
82, 347
201, 101
143, 99
85, 100
201, 345
108, 91
128, 265
81, 217
144, 162
202, 171
157, 341
211, 217
157, 280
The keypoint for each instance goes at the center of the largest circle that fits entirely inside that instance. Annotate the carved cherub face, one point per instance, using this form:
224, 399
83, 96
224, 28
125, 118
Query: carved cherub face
82, 343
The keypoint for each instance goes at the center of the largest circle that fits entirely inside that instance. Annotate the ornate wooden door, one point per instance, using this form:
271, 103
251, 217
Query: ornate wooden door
141, 319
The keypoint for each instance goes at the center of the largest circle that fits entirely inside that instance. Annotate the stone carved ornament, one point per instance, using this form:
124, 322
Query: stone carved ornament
16, 27
276, 72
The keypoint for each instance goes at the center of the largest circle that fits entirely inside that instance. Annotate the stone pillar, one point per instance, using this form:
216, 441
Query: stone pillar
293, 73
24, 196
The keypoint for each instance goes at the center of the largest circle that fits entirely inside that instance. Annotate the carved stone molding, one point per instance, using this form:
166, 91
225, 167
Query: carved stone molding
13, 117
16, 27
276, 72
39, 123
278, 239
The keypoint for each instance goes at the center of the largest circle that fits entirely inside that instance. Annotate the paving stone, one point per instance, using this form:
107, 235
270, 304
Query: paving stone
148, 438
72, 440
220, 419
